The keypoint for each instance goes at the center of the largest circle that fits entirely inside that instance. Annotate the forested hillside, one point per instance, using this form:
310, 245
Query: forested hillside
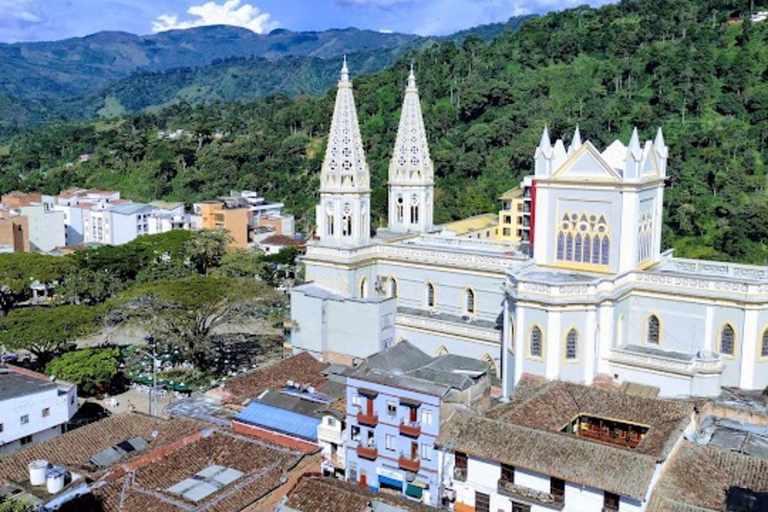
679, 65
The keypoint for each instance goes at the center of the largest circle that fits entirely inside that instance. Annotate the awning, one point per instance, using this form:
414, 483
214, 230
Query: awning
408, 401
368, 392
414, 491
390, 482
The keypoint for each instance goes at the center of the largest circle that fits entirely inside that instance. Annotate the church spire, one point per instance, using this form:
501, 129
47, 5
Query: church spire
575, 142
411, 174
343, 215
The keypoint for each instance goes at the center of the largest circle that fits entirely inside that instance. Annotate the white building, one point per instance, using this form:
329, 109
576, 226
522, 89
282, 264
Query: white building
74, 203
116, 224
46, 227
591, 293
562, 446
168, 217
32, 408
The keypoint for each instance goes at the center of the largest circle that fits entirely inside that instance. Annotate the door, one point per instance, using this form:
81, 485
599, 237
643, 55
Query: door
414, 451
414, 415
363, 479
482, 502
369, 407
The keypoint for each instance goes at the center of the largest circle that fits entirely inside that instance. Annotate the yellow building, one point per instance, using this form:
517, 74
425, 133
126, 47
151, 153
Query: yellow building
515, 214
482, 226
236, 221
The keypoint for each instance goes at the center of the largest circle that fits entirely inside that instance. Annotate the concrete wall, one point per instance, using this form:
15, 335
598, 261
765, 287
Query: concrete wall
46, 228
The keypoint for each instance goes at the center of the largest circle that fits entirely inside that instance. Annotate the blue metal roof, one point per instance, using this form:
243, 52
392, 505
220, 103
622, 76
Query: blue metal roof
280, 420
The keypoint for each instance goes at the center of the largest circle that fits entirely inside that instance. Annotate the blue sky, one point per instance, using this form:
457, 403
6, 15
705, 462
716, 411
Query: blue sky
41, 20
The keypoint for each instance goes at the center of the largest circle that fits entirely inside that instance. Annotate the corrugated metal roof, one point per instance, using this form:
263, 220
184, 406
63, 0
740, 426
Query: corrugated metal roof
130, 208
274, 418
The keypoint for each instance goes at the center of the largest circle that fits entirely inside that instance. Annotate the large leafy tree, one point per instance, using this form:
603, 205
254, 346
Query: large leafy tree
19, 272
184, 314
44, 330
207, 249
92, 369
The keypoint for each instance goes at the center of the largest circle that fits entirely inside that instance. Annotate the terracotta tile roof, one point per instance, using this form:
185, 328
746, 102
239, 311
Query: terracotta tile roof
74, 449
551, 406
145, 490
302, 368
283, 240
576, 460
314, 493
682, 489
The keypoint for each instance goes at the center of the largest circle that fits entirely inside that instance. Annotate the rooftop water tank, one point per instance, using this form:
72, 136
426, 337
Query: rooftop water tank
55, 480
37, 469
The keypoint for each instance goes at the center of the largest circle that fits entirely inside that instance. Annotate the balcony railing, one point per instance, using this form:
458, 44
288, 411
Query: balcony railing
370, 420
409, 464
460, 474
367, 452
410, 428
512, 490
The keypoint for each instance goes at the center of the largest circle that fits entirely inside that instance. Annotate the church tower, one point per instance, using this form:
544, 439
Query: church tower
343, 215
411, 175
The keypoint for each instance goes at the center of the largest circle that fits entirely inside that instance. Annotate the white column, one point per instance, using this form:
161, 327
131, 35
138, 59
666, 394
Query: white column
605, 341
519, 342
506, 367
542, 233
748, 350
589, 346
624, 242
709, 324
554, 341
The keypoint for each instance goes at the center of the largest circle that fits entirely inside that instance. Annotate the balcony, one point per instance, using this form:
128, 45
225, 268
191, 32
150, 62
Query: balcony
512, 490
410, 428
408, 464
460, 474
367, 452
369, 420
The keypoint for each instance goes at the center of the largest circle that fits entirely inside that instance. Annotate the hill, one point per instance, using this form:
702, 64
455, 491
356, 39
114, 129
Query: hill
650, 63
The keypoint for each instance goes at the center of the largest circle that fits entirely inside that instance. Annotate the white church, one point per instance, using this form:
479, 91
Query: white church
589, 293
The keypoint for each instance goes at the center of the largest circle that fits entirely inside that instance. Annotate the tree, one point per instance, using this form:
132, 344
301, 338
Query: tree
44, 330
20, 271
16, 506
240, 263
183, 314
207, 249
88, 287
92, 369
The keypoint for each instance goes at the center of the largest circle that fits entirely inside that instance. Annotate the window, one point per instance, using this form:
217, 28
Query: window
2, 428
72, 400
346, 225
356, 399
653, 333
461, 460
583, 239
727, 340
426, 452
25, 419
386, 321
391, 409
469, 301
392, 287
430, 299
331, 422
519, 507
389, 442
329, 224
610, 501
363, 288
507, 473
354, 433
764, 346
535, 345
25, 440
426, 417
572, 345
482, 502
46, 412
399, 209
557, 489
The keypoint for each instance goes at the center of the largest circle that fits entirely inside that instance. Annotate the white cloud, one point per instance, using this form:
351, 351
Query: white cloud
231, 12
21, 11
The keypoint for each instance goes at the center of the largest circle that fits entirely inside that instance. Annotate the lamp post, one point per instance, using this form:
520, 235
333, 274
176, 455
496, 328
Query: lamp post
153, 390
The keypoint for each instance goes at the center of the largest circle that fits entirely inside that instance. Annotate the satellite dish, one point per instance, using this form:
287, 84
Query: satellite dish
154, 434
207, 432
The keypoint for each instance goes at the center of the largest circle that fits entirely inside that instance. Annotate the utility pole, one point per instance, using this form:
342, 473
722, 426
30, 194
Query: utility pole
153, 389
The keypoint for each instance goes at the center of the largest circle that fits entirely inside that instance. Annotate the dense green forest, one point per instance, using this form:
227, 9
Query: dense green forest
649, 63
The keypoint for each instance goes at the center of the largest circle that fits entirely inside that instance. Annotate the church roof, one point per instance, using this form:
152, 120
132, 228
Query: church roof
411, 163
345, 168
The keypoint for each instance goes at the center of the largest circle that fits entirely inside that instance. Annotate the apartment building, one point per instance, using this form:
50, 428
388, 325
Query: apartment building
396, 401
231, 216
33, 408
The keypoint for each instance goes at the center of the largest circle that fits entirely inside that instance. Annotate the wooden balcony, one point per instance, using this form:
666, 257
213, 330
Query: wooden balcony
608, 438
367, 452
367, 420
410, 429
408, 464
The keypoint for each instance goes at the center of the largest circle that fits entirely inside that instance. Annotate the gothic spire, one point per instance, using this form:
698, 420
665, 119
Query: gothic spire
344, 168
411, 164
576, 141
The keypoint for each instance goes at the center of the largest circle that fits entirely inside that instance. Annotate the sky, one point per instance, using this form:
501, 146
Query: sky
46, 20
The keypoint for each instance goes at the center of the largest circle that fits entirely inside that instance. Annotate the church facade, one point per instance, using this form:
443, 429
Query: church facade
584, 290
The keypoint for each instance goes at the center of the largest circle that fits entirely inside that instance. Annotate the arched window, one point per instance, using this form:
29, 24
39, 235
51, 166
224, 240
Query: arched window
430, 298
329, 224
572, 345
346, 225
596, 250
560, 246
653, 333
764, 346
583, 239
392, 287
363, 288
727, 340
605, 256
399, 209
587, 248
577, 249
511, 332
469, 301
535, 343
569, 247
